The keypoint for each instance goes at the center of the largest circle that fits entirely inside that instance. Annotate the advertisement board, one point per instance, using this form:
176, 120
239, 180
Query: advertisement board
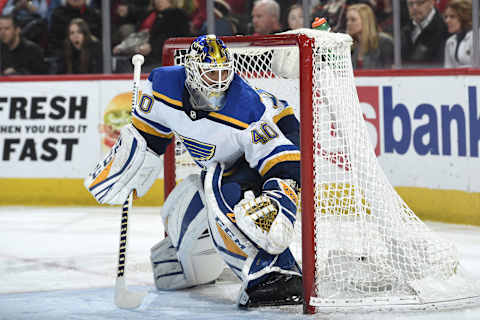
425, 129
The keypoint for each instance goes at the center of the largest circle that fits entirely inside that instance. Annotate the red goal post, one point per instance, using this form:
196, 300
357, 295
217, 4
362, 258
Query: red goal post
361, 246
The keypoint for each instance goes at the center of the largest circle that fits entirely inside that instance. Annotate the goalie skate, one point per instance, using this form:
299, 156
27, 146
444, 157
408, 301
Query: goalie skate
277, 290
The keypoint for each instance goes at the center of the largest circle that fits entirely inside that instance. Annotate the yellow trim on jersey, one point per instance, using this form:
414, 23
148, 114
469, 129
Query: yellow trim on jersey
229, 244
103, 175
282, 157
150, 130
286, 112
167, 99
228, 119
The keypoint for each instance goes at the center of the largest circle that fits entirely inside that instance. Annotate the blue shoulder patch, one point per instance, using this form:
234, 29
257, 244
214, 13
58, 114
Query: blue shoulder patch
168, 84
243, 102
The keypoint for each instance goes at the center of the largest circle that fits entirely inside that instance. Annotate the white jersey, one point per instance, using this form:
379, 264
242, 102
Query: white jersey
246, 126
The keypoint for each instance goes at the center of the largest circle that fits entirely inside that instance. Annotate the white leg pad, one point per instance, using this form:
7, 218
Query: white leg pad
187, 257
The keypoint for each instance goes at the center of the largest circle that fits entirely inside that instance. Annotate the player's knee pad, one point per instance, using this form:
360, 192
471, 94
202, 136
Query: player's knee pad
184, 201
187, 256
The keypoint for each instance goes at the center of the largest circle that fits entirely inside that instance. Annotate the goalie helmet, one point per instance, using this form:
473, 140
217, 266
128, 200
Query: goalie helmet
210, 69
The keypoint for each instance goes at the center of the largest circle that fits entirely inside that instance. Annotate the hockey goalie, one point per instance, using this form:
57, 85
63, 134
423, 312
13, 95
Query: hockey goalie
241, 210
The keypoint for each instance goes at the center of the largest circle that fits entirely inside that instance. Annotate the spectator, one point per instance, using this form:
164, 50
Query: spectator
18, 55
371, 49
32, 18
126, 15
441, 5
295, 17
459, 47
241, 14
82, 52
284, 7
165, 21
266, 17
53, 4
198, 16
24, 9
225, 23
61, 17
423, 38
171, 21
384, 15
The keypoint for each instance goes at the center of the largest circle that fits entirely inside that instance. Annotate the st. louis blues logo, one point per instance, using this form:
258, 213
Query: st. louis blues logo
200, 152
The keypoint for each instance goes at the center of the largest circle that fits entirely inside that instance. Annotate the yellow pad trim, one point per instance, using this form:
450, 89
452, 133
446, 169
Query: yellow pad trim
229, 244
290, 156
103, 175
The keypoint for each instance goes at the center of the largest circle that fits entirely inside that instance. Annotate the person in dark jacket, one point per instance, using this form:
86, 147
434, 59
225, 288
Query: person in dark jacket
126, 15
225, 23
18, 55
170, 21
61, 18
423, 38
82, 51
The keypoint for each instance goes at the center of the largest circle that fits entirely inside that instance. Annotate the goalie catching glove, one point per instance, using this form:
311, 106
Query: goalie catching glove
269, 219
129, 165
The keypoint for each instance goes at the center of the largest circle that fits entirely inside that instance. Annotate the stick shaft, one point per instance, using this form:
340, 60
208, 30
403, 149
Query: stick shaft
123, 297
137, 68
122, 252
127, 205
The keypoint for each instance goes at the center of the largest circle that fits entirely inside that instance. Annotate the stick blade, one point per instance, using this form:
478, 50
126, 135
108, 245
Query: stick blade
126, 299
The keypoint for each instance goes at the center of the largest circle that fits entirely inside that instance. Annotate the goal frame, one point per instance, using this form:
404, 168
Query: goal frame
305, 45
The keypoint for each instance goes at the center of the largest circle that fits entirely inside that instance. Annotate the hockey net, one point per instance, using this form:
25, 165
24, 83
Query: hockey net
359, 244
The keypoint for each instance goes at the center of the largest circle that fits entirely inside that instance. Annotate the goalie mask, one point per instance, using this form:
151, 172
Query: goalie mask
210, 68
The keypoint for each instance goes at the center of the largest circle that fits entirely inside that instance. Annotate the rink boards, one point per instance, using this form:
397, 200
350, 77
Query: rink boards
424, 125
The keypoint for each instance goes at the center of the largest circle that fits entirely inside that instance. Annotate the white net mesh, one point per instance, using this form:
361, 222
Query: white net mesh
370, 248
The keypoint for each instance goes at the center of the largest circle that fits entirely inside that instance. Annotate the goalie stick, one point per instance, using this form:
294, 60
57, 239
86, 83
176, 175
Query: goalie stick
124, 298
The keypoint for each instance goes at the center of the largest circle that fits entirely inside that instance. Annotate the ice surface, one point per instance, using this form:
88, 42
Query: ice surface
60, 263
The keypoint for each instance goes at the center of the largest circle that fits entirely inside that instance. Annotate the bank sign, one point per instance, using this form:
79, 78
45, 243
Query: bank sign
425, 130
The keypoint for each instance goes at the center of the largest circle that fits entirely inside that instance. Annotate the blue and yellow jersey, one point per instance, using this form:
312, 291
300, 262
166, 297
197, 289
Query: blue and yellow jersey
246, 127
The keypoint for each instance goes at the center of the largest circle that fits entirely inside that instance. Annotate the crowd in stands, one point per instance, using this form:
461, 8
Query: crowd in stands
64, 36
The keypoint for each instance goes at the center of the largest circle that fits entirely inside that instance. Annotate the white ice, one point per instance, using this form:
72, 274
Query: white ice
60, 263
